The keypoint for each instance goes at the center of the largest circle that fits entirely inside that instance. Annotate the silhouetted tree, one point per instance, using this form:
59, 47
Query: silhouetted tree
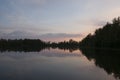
108, 36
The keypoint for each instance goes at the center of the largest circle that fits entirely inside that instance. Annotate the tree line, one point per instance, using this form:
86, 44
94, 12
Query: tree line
22, 44
35, 45
106, 37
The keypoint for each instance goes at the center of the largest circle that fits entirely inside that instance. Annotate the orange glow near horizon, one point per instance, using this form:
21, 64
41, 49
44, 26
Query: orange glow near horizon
64, 39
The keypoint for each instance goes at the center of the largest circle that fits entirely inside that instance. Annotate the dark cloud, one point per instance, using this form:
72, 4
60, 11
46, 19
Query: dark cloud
16, 35
46, 37
60, 36
57, 35
100, 23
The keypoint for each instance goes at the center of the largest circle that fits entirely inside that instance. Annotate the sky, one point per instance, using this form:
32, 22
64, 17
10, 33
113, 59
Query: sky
55, 20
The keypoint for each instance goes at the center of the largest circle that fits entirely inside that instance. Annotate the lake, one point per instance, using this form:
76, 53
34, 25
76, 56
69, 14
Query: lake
56, 64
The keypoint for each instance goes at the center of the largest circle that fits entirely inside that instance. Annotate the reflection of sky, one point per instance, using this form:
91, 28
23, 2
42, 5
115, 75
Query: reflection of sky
34, 66
56, 16
46, 53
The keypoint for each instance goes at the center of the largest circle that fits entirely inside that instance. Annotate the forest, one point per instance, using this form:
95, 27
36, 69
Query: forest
106, 37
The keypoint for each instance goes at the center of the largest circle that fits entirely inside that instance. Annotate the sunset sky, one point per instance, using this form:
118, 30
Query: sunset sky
54, 20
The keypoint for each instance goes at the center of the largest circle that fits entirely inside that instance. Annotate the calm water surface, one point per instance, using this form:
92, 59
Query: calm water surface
53, 64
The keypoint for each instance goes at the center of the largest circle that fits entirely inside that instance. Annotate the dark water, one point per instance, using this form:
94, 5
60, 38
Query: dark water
55, 64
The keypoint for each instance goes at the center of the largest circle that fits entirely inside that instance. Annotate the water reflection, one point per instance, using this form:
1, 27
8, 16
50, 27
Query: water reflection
38, 49
45, 52
107, 59
58, 64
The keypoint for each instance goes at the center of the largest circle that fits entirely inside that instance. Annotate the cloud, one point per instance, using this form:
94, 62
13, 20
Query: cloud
24, 28
91, 22
61, 16
46, 37
16, 35
100, 23
61, 36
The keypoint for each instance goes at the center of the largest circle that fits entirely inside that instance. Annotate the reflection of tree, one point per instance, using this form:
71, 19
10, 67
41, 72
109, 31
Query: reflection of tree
22, 45
35, 45
46, 53
70, 45
109, 60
